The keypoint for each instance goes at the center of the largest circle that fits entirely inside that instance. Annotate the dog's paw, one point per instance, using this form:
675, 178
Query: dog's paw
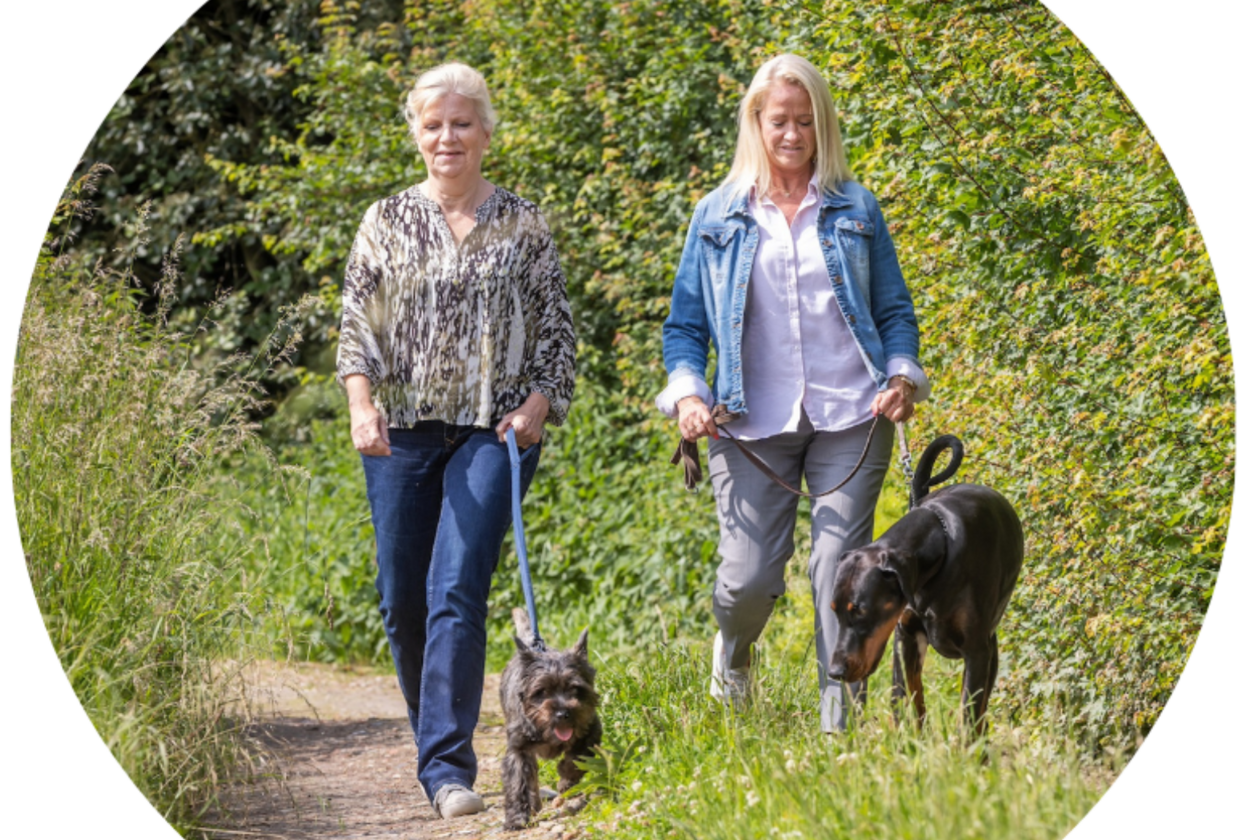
514, 824
570, 805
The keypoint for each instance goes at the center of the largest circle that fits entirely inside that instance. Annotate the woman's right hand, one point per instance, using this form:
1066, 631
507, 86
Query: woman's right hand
695, 421
368, 430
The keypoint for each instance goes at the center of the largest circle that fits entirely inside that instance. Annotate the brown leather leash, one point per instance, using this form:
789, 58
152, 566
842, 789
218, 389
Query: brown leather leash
689, 455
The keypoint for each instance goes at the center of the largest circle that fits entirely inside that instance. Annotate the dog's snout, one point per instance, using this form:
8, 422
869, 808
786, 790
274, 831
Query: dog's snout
837, 668
562, 714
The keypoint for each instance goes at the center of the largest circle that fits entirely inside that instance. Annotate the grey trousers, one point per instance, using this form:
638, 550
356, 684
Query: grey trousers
757, 520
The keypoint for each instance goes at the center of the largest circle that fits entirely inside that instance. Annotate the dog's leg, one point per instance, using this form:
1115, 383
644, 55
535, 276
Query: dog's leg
521, 790
534, 786
990, 683
976, 683
898, 692
569, 775
992, 673
906, 672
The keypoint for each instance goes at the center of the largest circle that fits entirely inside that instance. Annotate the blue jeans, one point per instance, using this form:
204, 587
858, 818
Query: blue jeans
441, 505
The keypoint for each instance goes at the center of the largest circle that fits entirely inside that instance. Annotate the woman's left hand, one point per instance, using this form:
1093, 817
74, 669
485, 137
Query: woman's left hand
895, 402
528, 421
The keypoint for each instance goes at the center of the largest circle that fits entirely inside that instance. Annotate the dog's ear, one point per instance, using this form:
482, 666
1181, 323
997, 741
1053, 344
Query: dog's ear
580, 648
522, 646
903, 566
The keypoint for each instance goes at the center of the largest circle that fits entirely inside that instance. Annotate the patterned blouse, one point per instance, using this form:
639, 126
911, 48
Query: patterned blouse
464, 332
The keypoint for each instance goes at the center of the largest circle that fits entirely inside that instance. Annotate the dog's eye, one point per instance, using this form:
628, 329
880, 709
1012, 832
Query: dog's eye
538, 695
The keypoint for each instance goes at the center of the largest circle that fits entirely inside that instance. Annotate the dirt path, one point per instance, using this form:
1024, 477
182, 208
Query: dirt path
341, 763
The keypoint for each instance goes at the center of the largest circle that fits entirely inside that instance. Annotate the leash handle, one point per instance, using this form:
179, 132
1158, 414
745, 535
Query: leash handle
521, 547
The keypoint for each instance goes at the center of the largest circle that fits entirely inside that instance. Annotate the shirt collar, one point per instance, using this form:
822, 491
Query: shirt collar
740, 202
811, 190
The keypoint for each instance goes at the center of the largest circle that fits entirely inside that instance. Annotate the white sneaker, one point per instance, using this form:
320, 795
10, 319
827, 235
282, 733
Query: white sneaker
456, 801
729, 686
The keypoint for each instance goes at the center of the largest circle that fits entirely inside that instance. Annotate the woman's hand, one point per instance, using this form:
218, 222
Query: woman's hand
896, 401
368, 430
695, 421
528, 421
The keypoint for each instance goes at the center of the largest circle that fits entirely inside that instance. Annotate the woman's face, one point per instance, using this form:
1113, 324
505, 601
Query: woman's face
451, 137
787, 129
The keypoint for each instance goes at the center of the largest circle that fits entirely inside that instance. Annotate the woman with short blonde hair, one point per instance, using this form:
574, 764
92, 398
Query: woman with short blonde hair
455, 328
455, 78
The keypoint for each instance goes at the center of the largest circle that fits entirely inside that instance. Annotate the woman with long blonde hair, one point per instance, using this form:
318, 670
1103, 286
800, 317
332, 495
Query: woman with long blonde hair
789, 273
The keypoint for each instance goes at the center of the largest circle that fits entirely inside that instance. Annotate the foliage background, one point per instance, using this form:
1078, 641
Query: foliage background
1070, 315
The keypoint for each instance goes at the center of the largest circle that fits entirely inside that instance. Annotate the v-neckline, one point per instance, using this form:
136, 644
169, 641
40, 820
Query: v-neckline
441, 214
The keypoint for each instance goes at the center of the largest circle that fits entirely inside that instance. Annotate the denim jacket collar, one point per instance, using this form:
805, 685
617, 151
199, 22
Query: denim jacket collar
738, 206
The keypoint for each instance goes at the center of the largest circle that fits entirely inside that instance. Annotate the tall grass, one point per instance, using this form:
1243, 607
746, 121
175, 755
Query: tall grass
131, 544
677, 764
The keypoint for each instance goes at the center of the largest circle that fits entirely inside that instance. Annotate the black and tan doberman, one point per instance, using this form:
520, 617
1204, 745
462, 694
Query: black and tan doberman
940, 576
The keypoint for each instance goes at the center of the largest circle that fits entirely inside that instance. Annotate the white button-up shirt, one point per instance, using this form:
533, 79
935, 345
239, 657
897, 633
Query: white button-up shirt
797, 350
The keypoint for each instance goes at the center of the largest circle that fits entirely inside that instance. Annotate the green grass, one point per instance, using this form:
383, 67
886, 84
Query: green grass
133, 549
678, 765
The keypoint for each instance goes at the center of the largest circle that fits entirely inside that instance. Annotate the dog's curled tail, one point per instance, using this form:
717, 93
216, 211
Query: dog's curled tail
922, 480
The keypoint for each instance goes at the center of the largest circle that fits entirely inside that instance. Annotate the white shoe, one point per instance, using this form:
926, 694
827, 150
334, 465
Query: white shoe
456, 801
729, 686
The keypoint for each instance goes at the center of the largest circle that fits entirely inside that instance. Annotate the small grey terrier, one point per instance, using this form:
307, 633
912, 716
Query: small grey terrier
551, 710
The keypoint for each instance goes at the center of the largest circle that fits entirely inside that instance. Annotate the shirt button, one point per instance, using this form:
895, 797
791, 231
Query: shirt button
837, 280
852, 319
826, 242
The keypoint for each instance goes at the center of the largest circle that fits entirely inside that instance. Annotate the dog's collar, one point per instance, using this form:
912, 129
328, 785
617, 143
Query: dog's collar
947, 532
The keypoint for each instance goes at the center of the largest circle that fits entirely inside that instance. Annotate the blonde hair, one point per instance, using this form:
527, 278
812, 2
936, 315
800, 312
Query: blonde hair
444, 79
751, 165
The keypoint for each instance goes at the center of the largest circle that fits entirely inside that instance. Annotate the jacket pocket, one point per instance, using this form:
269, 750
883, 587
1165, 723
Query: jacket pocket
718, 250
855, 238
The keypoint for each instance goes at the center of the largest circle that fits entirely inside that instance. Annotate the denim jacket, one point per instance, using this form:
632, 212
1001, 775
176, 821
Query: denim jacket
711, 287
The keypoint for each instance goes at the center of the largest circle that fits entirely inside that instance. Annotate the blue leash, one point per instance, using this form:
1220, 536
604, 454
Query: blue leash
520, 546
